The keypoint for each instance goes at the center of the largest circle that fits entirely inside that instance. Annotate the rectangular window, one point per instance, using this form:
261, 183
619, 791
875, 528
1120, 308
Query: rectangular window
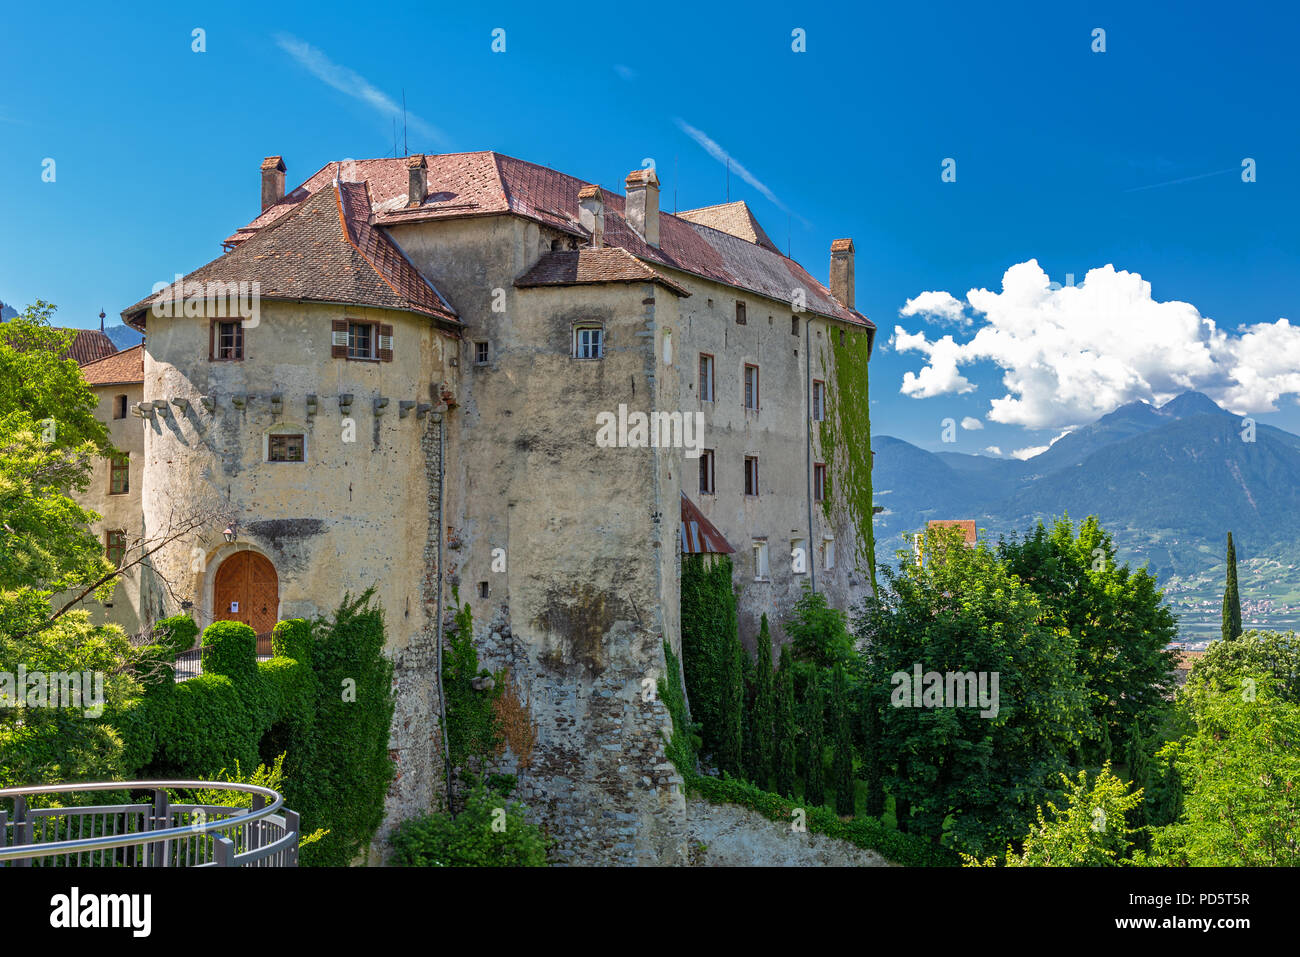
226, 342
115, 547
706, 377
751, 474
819, 482
119, 407
480, 353
751, 387
119, 475
828, 553
740, 313
760, 560
819, 400
706, 472
286, 448
794, 325
361, 340
588, 342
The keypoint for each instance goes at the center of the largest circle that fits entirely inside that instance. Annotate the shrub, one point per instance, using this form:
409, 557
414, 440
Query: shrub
291, 638
473, 727
230, 648
712, 657
176, 634
489, 832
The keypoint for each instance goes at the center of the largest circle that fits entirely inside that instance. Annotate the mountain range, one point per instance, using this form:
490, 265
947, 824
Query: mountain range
1167, 482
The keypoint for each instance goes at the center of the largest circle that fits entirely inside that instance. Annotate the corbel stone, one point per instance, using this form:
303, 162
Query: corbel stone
345, 403
181, 403
422, 410
208, 402
404, 408
239, 400
160, 406
381, 404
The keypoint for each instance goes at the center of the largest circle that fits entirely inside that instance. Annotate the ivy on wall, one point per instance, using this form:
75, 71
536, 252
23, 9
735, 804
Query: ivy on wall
845, 435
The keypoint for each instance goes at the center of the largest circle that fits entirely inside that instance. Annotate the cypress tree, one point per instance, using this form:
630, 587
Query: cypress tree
873, 773
731, 736
842, 742
764, 709
748, 684
787, 732
1231, 599
814, 783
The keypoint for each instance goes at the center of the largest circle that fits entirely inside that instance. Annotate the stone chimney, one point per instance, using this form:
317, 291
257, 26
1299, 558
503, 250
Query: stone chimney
272, 181
591, 214
642, 208
417, 189
842, 271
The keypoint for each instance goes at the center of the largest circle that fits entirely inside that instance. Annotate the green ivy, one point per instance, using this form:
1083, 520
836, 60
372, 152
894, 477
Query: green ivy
490, 832
473, 729
712, 657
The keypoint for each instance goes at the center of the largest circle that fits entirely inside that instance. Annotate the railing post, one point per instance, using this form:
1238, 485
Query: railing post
255, 827
22, 829
160, 821
293, 825
224, 849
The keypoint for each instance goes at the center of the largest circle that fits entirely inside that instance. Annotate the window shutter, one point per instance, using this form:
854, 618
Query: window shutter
338, 338
212, 340
385, 343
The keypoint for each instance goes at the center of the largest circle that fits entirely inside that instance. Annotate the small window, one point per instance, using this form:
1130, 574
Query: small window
706, 472
286, 447
819, 400
227, 341
119, 475
794, 325
751, 387
588, 342
480, 353
740, 313
819, 482
828, 553
119, 406
115, 547
706, 377
361, 340
760, 560
483, 590
751, 474
841, 337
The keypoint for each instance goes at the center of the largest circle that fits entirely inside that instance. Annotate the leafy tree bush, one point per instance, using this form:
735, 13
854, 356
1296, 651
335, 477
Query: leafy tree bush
473, 729
841, 743
489, 832
229, 648
787, 731
814, 717
712, 657
762, 764
1226, 663
684, 743
176, 634
819, 634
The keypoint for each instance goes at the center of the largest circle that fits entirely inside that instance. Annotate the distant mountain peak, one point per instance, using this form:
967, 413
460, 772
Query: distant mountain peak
1191, 403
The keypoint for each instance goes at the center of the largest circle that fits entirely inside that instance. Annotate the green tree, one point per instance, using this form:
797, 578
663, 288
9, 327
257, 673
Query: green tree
712, 656
841, 743
819, 634
787, 731
1091, 830
987, 765
762, 764
814, 719
1116, 616
490, 832
1225, 664
1231, 599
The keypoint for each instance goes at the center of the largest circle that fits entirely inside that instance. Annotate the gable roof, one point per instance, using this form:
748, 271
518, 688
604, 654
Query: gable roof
121, 368
88, 346
322, 250
464, 185
734, 218
581, 266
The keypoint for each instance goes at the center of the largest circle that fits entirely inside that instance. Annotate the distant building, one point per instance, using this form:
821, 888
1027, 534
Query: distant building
967, 526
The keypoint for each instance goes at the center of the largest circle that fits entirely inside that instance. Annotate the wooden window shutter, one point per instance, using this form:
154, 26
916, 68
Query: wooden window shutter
338, 338
385, 343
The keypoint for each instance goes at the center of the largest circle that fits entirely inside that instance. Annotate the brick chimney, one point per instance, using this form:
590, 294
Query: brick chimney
642, 208
272, 181
417, 170
591, 214
842, 271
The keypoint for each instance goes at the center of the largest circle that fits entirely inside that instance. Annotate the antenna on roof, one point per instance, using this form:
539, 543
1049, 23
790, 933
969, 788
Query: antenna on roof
405, 149
674, 184
394, 137
728, 179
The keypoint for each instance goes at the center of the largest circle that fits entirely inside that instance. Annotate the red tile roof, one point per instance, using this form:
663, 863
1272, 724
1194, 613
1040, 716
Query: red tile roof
734, 218
608, 264
88, 346
324, 250
699, 535
487, 183
966, 525
121, 368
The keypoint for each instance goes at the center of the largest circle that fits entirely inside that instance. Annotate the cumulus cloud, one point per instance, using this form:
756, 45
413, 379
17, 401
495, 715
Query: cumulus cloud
993, 449
970, 423
1030, 452
353, 84
937, 306
1071, 354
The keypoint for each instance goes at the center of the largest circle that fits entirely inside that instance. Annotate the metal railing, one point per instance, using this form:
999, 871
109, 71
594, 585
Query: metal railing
156, 834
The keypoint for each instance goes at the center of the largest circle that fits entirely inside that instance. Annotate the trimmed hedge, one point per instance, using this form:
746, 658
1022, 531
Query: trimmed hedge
176, 634
229, 648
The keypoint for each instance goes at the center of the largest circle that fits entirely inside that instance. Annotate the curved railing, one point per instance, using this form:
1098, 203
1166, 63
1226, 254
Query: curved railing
157, 834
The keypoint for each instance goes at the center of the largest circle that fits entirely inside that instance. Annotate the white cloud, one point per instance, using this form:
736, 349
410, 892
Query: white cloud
994, 449
971, 423
940, 306
1030, 452
1071, 354
353, 84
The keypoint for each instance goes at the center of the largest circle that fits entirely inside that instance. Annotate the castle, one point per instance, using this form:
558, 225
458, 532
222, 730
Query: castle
397, 375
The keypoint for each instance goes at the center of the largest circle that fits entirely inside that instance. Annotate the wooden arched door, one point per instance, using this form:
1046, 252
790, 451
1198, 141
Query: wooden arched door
248, 590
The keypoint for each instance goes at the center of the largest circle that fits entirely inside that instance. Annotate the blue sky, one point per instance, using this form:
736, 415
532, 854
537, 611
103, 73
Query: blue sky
1061, 153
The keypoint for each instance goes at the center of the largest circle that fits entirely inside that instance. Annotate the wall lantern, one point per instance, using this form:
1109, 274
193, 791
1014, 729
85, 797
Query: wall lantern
230, 532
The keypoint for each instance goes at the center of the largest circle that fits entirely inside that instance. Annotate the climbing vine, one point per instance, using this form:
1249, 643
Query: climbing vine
845, 435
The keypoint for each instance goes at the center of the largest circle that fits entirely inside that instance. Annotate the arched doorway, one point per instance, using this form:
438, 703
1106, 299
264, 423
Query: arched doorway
247, 589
